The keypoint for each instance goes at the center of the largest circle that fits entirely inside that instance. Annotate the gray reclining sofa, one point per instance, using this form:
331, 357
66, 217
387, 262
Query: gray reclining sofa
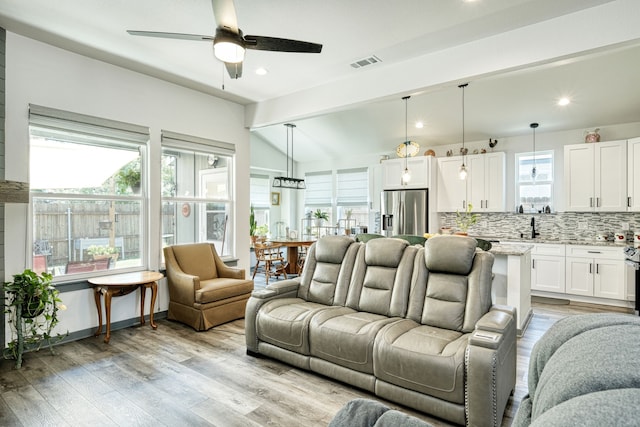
410, 324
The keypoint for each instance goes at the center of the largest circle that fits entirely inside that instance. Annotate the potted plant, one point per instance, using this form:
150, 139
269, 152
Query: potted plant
128, 178
466, 219
319, 215
252, 225
31, 306
102, 251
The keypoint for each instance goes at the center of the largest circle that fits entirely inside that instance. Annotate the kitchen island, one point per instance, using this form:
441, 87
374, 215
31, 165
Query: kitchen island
512, 279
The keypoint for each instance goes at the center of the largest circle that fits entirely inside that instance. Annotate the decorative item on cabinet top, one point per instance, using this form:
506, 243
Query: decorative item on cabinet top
409, 149
430, 153
592, 135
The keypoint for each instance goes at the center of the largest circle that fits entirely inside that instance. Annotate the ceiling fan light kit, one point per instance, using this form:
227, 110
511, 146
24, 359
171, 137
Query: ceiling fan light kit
229, 43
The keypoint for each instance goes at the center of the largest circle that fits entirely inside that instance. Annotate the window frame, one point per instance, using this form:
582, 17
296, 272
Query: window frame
519, 184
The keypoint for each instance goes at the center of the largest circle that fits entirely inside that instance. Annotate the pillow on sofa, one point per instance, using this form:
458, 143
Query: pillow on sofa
369, 413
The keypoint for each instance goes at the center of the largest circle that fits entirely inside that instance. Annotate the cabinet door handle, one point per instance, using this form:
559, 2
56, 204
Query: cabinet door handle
597, 202
590, 268
533, 263
464, 204
594, 252
597, 268
590, 202
628, 202
486, 204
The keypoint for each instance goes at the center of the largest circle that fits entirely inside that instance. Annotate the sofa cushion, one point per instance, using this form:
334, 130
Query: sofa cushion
197, 259
327, 272
422, 358
381, 279
345, 337
370, 413
450, 254
284, 322
595, 360
604, 408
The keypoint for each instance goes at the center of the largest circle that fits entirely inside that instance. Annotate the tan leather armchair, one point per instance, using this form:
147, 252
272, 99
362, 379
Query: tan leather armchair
203, 290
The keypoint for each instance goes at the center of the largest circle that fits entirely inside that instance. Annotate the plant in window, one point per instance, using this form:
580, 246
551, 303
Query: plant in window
466, 219
320, 216
102, 251
128, 178
31, 306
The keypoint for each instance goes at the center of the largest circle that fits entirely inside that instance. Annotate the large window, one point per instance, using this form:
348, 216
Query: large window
352, 189
87, 186
260, 196
197, 192
534, 192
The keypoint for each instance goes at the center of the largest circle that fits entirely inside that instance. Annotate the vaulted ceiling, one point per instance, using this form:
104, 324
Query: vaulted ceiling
425, 49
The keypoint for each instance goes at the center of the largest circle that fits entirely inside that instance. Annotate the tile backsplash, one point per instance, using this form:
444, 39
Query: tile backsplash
581, 226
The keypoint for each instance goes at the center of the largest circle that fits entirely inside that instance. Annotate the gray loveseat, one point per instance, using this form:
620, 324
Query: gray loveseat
585, 371
410, 324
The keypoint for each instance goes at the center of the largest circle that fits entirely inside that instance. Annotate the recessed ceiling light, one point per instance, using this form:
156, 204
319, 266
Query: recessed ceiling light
261, 71
419, 125
564, 101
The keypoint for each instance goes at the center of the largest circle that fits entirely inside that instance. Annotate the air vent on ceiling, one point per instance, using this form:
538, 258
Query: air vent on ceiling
366, 61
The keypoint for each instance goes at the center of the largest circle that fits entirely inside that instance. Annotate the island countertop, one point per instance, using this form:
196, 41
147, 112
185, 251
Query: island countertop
510, 248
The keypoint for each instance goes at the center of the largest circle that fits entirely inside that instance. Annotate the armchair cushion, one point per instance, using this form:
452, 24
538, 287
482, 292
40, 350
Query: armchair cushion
196, 259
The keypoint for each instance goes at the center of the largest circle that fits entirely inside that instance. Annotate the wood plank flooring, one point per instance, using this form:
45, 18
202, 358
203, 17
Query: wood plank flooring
175, 376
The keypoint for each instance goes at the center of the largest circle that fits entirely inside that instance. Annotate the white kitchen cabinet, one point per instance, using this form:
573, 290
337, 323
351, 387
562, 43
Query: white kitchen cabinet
595, 177
484, 186
633, 175
548, 268
486, 182
421, 168
452, 191
596, 271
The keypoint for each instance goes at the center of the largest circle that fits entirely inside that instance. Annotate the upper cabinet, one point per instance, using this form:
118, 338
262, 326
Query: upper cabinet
595, 177
484, 186
633, 179
421, 168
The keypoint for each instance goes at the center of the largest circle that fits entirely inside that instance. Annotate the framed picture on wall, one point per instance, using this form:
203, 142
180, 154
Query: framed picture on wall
275, 199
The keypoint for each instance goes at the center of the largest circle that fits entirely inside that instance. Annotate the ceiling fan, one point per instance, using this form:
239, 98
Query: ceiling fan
229, 43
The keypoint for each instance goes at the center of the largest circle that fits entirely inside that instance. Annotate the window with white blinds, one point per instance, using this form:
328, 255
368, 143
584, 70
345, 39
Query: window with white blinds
319, 189
352, 187
260, 191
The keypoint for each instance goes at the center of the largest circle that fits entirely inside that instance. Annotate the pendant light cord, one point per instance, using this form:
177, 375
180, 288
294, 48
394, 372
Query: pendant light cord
406, 133
462, 86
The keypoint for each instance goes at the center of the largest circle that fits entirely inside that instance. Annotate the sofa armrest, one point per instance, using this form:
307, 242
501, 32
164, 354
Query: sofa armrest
259, 297
490, 364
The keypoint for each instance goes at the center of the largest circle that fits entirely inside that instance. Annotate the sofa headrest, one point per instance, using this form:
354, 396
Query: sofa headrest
385, 252
450, 254
331, 249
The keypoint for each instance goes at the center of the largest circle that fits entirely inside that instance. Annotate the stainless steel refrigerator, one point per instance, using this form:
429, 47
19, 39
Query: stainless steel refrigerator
405, 212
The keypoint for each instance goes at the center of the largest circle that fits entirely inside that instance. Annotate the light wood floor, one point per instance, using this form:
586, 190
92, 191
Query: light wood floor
175, 377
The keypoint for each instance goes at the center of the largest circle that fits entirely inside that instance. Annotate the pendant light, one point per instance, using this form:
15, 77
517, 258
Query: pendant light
406, 175
463, 168
534, 170
286, 181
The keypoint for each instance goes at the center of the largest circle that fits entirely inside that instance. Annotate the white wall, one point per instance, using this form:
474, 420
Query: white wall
38, 73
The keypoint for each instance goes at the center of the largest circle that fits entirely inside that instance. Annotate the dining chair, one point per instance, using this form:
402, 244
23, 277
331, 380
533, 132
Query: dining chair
269, 260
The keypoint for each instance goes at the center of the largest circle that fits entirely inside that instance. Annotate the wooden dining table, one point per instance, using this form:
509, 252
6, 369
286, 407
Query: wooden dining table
292, 246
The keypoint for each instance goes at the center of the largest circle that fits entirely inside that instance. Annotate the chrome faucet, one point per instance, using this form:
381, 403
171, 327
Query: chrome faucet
534, 233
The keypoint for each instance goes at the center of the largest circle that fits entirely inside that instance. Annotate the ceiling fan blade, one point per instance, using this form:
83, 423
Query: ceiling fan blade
224, 13
180, 36
234, 70
281, 45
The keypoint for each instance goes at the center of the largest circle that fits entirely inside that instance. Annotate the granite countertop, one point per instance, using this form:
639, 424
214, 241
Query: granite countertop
510, 248
525, 241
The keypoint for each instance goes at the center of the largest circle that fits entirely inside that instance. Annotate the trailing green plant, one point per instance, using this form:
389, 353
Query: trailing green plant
128, 178
252, 222
319, 214
466, 219
31, 306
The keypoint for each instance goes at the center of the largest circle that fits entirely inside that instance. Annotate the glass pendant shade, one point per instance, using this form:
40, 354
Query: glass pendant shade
462, 173
406, 176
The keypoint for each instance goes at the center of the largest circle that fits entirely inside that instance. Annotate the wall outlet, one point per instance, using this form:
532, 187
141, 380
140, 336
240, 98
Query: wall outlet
624, 225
